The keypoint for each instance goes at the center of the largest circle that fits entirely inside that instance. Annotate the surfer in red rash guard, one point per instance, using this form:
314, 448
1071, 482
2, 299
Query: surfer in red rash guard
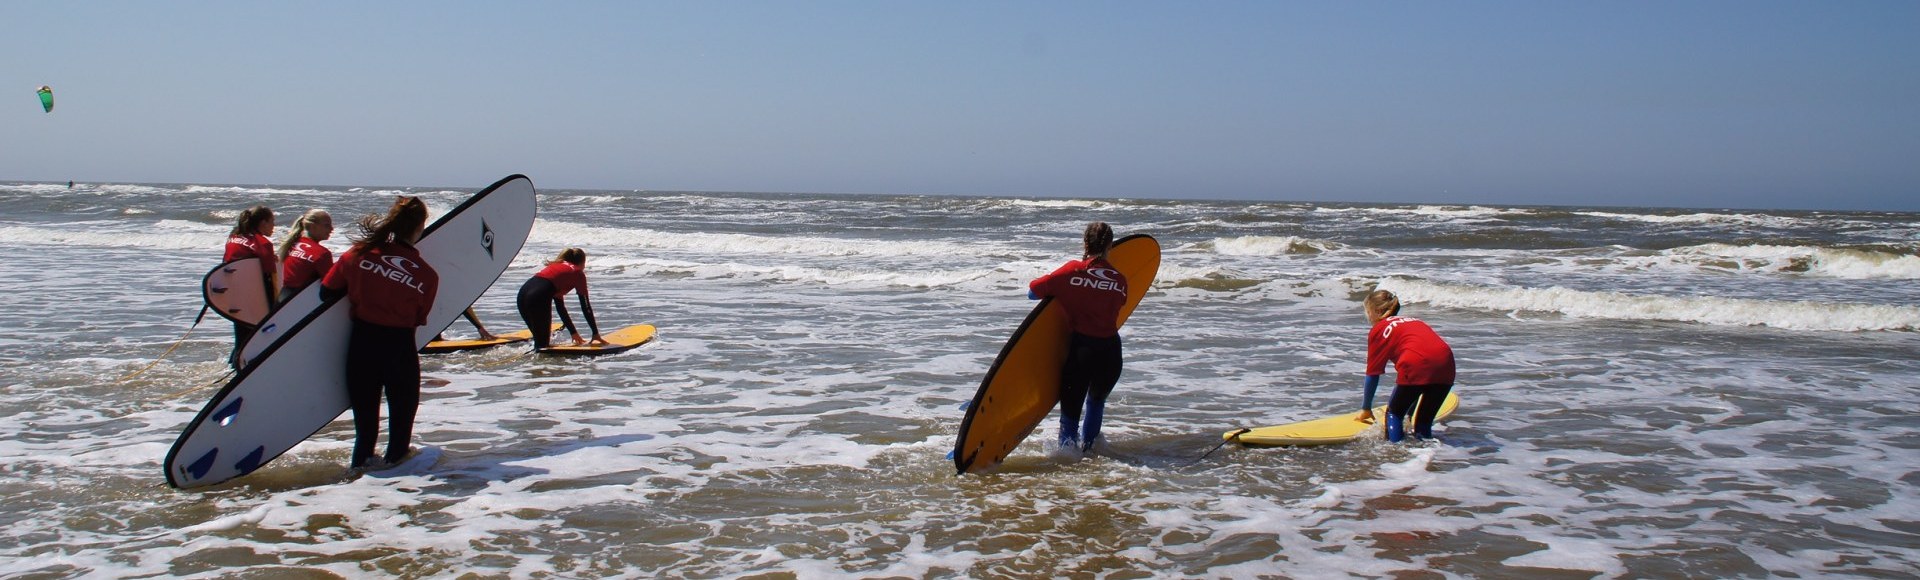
550, 285
1422, 366
304, 259
390, 290
1093, 292
249, 240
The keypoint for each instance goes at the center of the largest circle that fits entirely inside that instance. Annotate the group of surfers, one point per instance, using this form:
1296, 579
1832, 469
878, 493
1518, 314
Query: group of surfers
387, 307
382, 358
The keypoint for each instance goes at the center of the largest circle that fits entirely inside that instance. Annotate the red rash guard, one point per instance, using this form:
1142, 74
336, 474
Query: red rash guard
388, 284
251, 246
565, 276
306, 263
1419, 355
1092, 292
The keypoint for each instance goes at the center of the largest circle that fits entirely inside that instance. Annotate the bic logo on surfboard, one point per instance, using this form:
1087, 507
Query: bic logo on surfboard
397, 268
1107, 280
486, 238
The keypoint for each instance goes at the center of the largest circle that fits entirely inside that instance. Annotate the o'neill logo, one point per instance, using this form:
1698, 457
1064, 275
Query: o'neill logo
1106, 279
486, 238
396, 268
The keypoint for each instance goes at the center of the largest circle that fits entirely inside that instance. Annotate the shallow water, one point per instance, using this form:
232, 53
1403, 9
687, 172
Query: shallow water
1644, 393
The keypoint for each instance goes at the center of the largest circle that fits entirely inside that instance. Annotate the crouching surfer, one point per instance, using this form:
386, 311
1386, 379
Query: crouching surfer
1422, 367
390, 290
546, 291
1092, 292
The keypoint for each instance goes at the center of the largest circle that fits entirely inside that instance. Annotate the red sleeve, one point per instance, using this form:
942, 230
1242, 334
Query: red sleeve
336, 278
1377, 351
1043, 286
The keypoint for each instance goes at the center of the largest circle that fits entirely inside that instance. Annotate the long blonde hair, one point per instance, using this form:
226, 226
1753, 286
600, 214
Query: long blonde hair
1381, 304
299, 230
575, 256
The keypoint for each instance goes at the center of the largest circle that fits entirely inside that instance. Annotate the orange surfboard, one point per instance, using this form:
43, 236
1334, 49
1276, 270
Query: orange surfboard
1023, 385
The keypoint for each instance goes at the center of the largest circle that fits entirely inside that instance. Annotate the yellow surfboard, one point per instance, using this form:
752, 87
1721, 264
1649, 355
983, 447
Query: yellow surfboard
618, 341
446, 346
1339, 428
1023, 385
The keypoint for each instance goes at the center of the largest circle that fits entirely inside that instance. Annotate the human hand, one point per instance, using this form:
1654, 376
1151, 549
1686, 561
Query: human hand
1366, 416
577, 341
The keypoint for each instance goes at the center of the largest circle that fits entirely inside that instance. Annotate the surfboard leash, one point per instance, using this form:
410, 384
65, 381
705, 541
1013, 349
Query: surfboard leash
176, 344
1235, 436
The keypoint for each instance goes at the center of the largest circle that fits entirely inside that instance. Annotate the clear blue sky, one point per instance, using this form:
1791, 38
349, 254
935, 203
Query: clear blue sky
1799, 104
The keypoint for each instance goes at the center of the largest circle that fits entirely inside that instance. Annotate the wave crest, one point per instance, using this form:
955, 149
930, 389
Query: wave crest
1820, 316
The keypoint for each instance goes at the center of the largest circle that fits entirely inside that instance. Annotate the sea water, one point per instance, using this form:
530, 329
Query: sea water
1645, 392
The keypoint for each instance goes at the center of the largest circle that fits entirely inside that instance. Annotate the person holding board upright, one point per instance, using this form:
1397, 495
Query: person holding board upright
546, 291
304, 259
1092, 292
1422, 366
390, 290
249, 240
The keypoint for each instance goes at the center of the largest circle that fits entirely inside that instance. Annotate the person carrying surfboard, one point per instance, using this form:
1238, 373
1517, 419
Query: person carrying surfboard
390, 290
1093, 292
249, 240
546, 291
302, 257
1422, 366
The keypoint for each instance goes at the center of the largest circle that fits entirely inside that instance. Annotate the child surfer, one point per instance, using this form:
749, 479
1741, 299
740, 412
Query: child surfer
1422, 366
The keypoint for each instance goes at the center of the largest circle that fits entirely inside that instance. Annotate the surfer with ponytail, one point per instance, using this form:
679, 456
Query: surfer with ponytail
249, 240
546, 292
302, 257
1422, 366
1092, 292
390, 290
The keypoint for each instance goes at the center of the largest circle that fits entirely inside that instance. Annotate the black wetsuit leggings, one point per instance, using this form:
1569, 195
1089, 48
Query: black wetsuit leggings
1092, 368
1429, 396
382, 359
536, 309
537, 301
241, 332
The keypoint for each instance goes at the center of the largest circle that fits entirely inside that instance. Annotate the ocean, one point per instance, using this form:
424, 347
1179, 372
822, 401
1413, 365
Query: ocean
1645, 393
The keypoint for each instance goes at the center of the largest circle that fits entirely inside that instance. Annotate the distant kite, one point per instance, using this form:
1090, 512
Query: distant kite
46, 98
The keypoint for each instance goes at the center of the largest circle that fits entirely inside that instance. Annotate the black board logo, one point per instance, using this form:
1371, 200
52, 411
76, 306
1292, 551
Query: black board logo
486, 238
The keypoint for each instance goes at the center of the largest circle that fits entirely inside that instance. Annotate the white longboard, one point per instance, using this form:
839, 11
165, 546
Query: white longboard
294, 379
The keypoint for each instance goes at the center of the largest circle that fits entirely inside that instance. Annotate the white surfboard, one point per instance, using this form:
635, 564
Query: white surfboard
294, 380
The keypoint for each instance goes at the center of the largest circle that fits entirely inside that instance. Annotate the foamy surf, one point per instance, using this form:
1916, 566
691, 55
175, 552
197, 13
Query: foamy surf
1793, 315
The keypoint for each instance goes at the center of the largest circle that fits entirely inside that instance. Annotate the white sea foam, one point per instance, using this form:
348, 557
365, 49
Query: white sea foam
1272, 246
1848, 263
1623, 306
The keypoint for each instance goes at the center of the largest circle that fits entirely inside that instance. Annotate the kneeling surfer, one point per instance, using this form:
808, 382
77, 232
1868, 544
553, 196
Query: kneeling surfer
1422, 366
1093, 292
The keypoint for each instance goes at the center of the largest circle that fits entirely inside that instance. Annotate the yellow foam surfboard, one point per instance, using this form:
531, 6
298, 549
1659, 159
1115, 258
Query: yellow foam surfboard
618, 341
1023, 385
1339, 428
446, 346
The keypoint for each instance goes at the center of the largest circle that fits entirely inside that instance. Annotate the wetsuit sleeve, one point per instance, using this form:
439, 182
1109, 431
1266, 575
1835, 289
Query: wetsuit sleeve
586, 308
334, 283
1372, 384
560, 306
1042, 287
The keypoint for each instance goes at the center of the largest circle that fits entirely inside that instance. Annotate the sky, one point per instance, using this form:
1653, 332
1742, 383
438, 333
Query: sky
1703, 104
